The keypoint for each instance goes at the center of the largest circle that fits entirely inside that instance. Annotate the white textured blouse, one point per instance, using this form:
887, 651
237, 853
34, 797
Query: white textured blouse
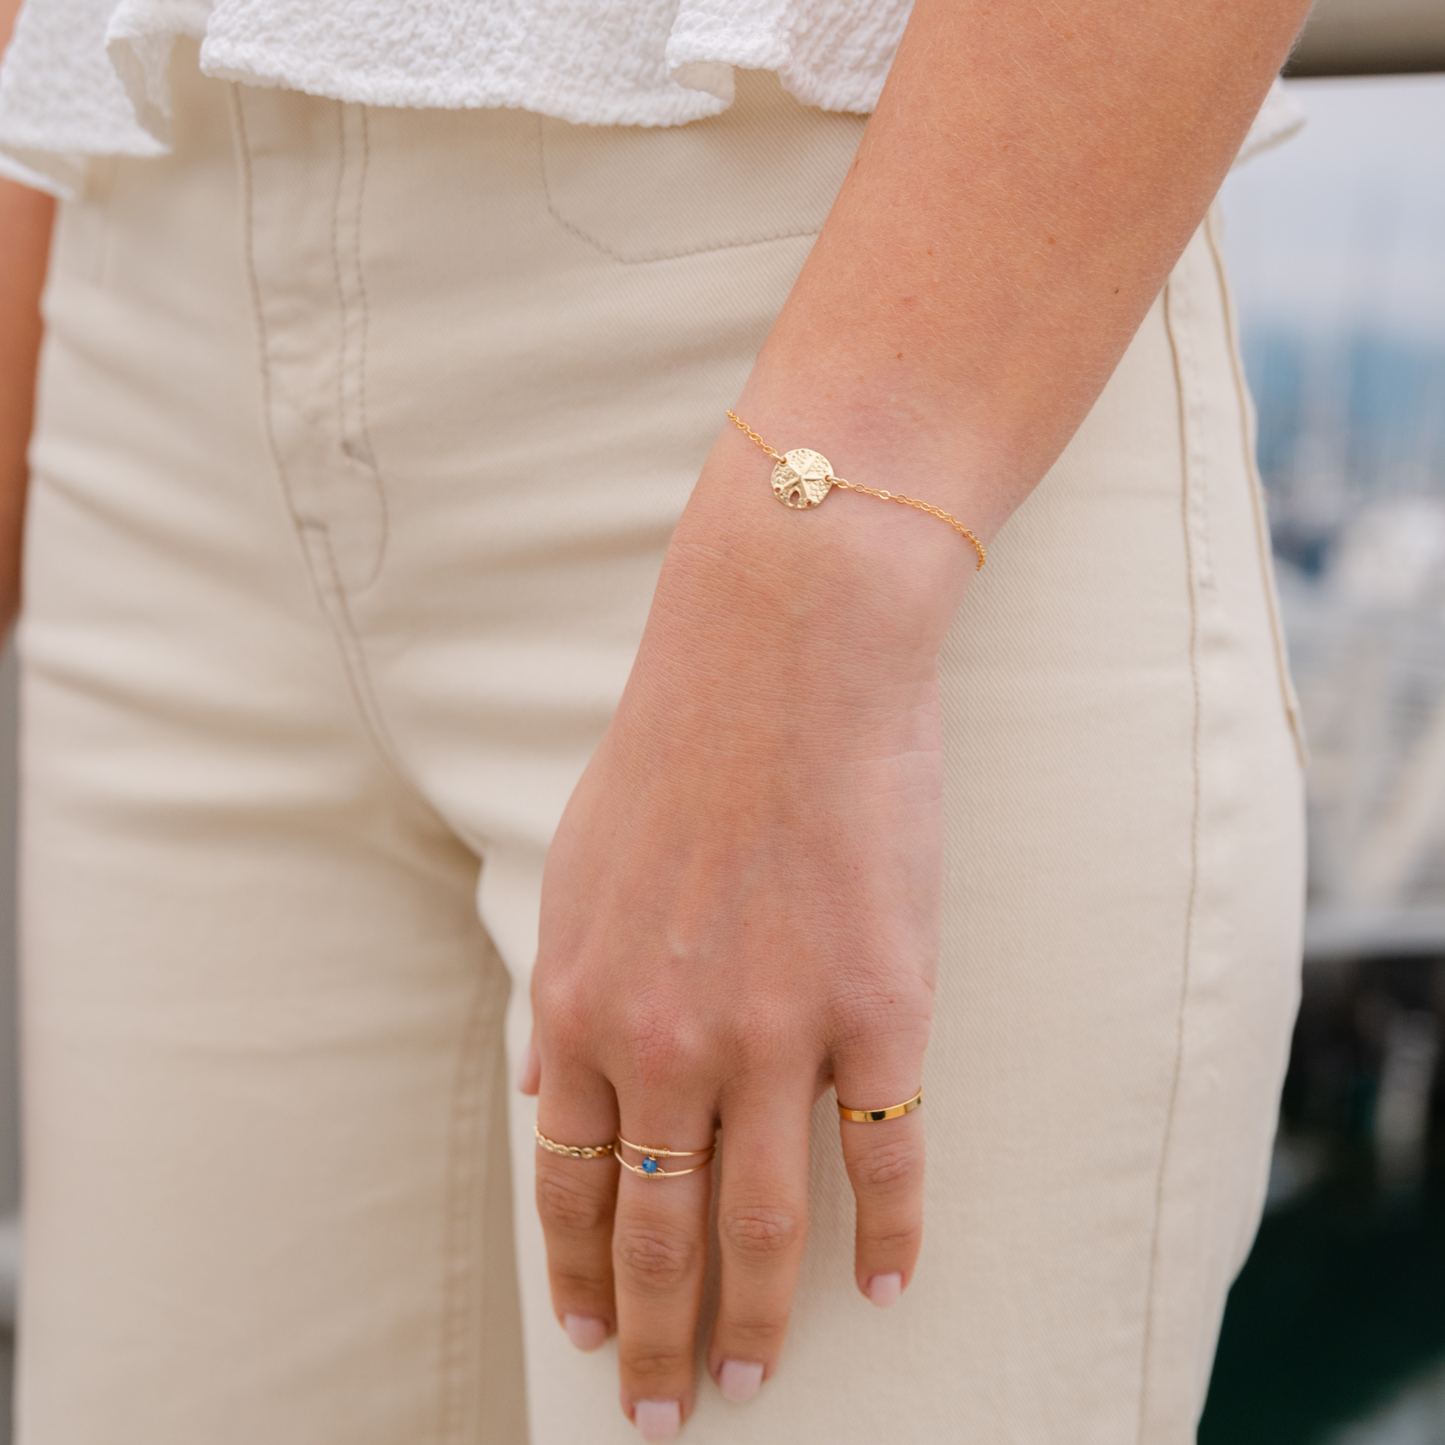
88, 77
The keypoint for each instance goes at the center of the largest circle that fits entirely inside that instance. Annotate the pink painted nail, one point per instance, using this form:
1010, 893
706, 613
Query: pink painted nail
739, 1381
885, 1289
585, 1332
657, 1420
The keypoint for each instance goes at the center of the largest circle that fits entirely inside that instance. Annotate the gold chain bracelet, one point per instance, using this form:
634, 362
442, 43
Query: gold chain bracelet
802, 478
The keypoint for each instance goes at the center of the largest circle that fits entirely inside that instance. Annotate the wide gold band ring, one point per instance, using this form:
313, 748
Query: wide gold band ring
573, 1151
876, 1116
650, 1168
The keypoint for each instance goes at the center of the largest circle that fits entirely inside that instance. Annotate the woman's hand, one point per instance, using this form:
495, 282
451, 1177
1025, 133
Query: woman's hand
741, 909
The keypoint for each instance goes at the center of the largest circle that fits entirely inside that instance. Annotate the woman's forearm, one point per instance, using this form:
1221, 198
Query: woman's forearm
1030, 177
25, 220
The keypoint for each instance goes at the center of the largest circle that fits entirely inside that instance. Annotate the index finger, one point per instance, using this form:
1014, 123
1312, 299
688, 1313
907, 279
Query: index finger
576, 1194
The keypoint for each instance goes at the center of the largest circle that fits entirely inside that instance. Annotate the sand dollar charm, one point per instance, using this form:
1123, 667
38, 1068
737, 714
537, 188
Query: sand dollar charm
802, 478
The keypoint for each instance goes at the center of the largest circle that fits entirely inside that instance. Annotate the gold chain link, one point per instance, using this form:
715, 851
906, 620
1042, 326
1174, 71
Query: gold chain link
884, 496
739, 422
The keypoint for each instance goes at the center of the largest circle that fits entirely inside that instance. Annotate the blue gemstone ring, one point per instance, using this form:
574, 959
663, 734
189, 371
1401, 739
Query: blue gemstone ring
650, 1165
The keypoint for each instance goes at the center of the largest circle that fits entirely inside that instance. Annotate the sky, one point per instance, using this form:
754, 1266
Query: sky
1345, 223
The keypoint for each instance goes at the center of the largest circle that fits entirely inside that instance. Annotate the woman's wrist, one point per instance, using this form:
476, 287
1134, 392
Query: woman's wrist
854, 573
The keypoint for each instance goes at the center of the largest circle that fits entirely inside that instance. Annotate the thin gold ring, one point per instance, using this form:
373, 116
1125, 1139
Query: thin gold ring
573, 1151
651, 1169
876, 1116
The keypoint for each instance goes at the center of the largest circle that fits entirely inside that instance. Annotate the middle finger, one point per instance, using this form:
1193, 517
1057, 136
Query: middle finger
762, 1225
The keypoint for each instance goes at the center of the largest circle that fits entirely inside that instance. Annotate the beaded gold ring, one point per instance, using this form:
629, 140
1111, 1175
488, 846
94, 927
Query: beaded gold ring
573, 1151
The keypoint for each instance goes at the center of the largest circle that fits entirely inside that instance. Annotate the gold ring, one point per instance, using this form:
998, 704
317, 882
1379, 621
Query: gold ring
573, 1151
875, 1116
651, 1169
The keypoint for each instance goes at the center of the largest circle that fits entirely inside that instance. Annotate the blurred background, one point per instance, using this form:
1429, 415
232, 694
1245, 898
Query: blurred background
1335, 1331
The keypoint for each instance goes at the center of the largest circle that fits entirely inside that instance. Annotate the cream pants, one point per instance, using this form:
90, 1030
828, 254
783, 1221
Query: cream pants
361, 438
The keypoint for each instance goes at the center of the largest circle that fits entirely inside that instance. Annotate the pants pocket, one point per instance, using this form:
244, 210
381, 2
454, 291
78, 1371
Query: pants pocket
765, 169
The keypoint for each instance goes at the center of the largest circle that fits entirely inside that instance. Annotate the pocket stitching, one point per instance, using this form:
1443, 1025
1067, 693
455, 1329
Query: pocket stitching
621, 260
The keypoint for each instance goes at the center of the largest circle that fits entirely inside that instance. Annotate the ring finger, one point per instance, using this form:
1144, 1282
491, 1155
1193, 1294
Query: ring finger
659, 1250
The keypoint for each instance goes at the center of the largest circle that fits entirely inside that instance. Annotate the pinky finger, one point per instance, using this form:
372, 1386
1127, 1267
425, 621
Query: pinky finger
885, 1165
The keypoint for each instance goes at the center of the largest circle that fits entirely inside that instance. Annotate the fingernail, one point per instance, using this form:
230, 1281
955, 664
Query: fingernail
585, 1332
739, 1381
885, 1289
657, 1420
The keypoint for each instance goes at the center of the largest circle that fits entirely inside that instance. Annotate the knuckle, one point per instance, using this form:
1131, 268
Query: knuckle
561, 1007
758, 1232
659, 1052
766, 1030
898, 1242
566, 1206
554, 987
755, 1331
655, 1361
887, 1166
576, 1284
654, 1258
893, 1011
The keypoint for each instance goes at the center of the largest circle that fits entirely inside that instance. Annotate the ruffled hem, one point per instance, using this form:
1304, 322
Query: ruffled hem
89, 77
252, 63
